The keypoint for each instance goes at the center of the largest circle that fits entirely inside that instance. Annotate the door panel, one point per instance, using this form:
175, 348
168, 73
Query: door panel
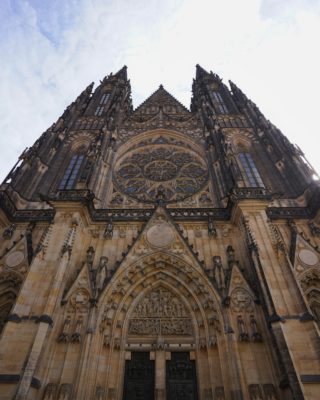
139, 377
181, 378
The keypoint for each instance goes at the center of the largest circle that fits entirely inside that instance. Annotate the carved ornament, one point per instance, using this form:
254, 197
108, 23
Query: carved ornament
173, 171
160, 313
241, 300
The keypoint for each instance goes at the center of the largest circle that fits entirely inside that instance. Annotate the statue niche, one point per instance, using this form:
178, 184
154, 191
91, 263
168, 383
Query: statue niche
160, 313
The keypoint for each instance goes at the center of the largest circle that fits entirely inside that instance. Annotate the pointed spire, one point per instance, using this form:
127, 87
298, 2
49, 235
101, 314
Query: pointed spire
84, 95
237, 92
122, 73
89, 88
200, 72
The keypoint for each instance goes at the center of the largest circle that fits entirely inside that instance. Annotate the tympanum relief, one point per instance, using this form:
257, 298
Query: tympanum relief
160, 313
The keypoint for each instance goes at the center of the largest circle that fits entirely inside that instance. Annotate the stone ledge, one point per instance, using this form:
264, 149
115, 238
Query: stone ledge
310, 378
15, 378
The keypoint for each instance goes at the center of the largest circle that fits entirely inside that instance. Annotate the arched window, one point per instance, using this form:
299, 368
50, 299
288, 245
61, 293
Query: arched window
250, 170
219, 104
71, 174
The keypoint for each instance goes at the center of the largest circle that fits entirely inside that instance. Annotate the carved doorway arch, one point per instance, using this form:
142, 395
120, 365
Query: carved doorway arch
131, 284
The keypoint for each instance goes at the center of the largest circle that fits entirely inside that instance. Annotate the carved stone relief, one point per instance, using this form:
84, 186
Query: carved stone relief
255, 392
64, 335
269, 392
100, 393
14, 258
310, 283
160, 234
255, 334
8, 232
308, 257
50, 392
262, 392
65, 391
80, 299
76, 314
243, 334
160, 313
314, 229
241, 300
310, 279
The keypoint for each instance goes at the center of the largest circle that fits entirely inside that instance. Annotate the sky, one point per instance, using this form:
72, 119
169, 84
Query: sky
52, 49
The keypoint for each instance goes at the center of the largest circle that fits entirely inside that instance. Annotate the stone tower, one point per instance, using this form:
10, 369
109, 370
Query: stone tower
160, 253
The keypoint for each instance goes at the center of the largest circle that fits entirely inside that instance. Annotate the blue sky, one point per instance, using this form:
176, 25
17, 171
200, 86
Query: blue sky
52, 49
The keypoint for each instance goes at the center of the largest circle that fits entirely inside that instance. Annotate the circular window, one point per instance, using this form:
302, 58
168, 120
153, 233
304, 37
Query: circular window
173, 171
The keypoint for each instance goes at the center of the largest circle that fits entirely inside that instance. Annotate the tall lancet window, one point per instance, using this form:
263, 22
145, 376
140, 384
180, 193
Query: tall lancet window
71, 174
218, 102
104, 98
250, 170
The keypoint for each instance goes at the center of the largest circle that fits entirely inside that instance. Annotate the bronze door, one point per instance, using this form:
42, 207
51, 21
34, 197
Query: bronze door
181, 378
139, 377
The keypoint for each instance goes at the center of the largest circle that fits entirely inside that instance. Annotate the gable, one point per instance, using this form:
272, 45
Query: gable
161, 99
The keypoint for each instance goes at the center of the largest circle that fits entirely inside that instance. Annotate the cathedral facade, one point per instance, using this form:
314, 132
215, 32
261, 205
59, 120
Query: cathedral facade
160, 253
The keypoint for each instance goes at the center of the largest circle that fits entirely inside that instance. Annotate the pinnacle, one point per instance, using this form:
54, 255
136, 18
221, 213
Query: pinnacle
200, 71
122, 72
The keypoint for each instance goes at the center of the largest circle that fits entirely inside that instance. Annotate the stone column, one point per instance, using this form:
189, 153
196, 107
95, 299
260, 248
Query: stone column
160, 357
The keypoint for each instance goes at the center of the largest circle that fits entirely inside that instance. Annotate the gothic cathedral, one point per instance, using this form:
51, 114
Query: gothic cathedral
160, 253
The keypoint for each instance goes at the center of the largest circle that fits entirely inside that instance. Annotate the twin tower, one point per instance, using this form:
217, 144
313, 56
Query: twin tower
160, 253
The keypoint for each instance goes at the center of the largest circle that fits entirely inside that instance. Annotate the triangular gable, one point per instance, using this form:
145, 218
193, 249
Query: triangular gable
305, 256
160, 235
161, 98
237, 280
19, 257
81, 281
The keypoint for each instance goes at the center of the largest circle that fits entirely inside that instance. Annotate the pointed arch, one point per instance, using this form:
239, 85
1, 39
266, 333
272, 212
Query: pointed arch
132, 282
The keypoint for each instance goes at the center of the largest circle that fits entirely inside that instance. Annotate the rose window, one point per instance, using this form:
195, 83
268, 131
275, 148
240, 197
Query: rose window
174, 171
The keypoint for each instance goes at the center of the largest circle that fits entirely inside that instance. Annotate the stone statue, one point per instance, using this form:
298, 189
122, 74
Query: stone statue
101, 274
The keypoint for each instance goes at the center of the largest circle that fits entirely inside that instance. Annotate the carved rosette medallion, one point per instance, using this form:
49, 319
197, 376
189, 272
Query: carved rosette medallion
241, 300
160, 235
308, 257
80, 299
160, 313
173, 171
14, 259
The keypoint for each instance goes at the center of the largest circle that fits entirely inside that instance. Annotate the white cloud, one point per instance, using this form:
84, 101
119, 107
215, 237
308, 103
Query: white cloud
52, 50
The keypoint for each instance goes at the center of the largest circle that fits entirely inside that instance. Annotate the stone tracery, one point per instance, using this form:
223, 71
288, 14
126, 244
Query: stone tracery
175, 171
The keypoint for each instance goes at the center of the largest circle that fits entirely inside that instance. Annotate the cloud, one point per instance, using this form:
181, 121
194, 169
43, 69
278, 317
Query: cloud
52, 49
280, 9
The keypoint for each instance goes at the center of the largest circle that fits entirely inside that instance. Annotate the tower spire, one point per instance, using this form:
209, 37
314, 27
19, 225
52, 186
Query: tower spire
200, 72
